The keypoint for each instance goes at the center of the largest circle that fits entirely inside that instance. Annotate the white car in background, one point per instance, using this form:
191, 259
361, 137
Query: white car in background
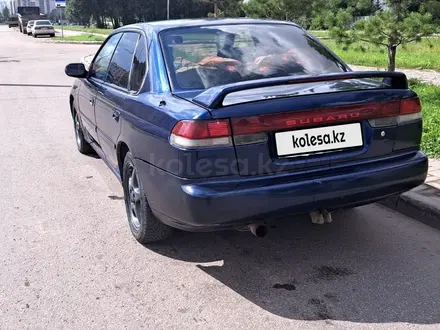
43, 27
29, 27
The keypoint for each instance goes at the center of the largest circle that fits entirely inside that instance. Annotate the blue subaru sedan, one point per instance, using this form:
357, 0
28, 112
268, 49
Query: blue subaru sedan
225, 123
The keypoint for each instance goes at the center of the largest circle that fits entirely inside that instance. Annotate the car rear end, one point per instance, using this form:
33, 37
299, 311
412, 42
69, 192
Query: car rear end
289, 143
43, 28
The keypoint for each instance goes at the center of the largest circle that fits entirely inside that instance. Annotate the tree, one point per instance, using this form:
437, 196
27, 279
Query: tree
389, 28
79, 11
432, 7
295, 10
224, 8
6, 13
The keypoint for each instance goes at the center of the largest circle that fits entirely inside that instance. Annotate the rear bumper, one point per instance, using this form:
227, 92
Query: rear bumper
43, 32
230, 202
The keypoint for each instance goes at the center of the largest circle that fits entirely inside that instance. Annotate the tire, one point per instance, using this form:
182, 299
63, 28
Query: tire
83, 146
34, 35
144, 225
52, 35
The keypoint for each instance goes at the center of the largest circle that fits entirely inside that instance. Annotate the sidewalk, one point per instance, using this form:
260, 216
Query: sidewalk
68, 33
433, 178
427, 76
421, 203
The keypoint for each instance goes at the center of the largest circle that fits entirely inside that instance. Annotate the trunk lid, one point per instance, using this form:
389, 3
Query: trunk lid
304, 123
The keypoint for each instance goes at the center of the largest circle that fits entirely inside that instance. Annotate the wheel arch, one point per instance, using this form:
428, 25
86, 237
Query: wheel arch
121, 151
71, 101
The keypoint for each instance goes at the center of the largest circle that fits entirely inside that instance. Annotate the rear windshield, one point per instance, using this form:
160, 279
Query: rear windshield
204, 57
43, 23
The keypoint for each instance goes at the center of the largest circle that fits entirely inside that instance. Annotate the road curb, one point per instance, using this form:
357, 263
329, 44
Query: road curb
420, 203
73, 42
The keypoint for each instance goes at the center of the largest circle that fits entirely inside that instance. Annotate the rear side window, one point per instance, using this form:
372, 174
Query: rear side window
139, 67
102, 60
120, 65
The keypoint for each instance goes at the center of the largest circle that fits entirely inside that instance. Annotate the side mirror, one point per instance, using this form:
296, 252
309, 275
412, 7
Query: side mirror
76, 70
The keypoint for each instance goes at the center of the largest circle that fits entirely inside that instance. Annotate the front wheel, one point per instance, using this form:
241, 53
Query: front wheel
144, 225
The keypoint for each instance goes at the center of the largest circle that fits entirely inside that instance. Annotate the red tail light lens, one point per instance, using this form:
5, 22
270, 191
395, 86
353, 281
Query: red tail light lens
202, 129
201, 134
409, 106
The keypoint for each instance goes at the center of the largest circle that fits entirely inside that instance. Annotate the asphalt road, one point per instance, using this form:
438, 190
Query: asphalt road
68, 261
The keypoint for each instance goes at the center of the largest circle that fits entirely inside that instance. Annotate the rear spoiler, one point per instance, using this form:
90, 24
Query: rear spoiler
213, 97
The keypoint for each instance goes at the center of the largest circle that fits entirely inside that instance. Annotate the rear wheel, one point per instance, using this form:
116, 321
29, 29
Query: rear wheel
82, 145
52, 35
144, 225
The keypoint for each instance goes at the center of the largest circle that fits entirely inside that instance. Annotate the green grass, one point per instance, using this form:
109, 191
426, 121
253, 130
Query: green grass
429, 96
85, 29
320, 33
415, 56
83, 37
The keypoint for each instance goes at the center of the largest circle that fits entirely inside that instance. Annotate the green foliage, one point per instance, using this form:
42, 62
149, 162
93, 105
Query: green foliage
123, 12
429, 95
6, 13
78, 11
299, 11
422, 55
82, 37
225, 8
432, 7
387, 28
90, 30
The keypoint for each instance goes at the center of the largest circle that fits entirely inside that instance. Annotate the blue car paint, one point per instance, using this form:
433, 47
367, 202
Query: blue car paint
232, 202
183, 198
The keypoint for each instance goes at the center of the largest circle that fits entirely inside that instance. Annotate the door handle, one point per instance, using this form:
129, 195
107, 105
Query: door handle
115, 116
92, 102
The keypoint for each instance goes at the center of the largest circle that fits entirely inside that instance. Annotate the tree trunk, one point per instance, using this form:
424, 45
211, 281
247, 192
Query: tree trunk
215, 9
99, 23
392, 57
115, 22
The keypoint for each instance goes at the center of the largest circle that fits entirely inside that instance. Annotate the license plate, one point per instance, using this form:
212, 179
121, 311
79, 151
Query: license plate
313, 140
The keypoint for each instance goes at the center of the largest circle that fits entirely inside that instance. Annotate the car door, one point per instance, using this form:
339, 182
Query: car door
94, 82
111, 98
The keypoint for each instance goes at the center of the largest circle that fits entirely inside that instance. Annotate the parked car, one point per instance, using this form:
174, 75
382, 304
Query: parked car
29, 26
13, 21
222, 124
43, 27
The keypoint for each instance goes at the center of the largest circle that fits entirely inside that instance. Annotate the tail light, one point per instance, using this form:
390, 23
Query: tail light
409, 111
191, 134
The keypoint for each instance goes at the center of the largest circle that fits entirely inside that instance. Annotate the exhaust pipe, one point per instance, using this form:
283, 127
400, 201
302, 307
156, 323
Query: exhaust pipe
258, 230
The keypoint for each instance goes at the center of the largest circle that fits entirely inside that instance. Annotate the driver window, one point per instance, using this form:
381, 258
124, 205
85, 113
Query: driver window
102, 60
